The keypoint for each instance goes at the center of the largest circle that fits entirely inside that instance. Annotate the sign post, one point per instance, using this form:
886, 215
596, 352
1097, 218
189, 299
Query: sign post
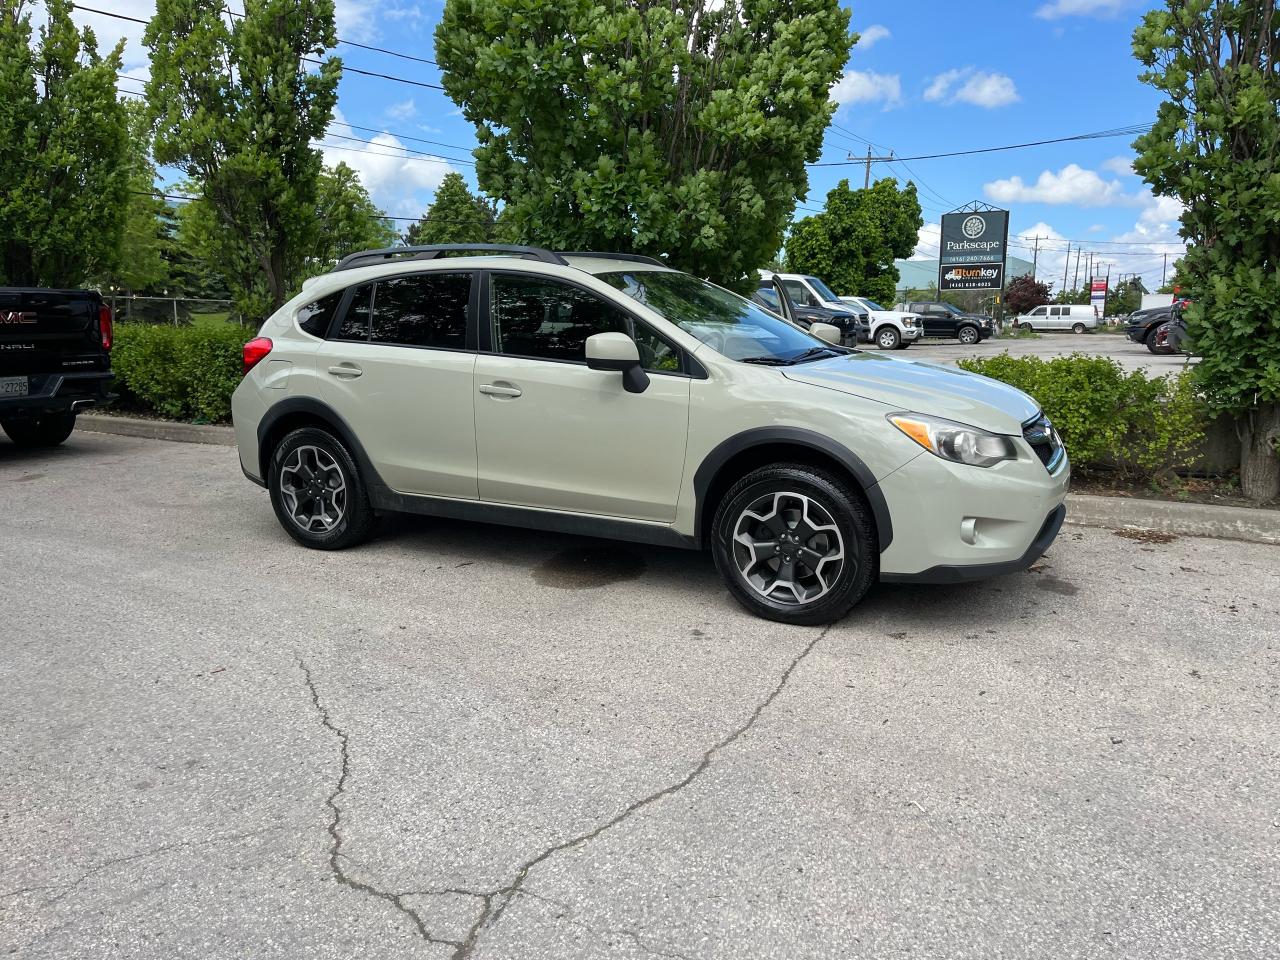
975, 243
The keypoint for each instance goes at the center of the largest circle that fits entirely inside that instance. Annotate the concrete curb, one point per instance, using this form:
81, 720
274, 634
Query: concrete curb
157, 429
1114, 513
1183, 519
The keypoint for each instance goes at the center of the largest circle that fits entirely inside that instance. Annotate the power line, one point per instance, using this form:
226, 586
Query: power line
185, 198
1099, 135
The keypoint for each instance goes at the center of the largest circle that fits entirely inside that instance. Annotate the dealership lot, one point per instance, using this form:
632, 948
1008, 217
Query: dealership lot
466, 740
1130, 356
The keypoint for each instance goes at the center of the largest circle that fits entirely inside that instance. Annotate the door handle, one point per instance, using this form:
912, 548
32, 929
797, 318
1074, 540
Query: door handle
347, 370
500, 390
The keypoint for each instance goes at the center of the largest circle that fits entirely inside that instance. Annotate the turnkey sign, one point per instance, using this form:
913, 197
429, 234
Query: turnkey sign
974, 246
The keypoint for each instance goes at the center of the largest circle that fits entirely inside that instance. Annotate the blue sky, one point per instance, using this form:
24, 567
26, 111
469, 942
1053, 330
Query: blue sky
929, 76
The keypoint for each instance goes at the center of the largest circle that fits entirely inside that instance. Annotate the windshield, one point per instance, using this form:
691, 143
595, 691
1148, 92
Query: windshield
871, 305
724, 321
822, 290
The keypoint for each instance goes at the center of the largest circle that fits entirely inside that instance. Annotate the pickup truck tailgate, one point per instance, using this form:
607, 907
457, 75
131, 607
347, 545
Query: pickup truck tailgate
50, 331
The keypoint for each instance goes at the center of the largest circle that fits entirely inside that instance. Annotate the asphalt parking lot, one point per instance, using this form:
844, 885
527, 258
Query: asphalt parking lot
1130, 355
467, 741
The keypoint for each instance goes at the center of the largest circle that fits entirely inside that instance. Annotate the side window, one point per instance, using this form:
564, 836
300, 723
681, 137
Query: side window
798, 292
422, 310
533, 317
315, 318
355, 323
769, 297
1037, 312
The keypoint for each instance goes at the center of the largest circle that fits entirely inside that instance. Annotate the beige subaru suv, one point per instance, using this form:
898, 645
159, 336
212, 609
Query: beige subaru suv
608, 395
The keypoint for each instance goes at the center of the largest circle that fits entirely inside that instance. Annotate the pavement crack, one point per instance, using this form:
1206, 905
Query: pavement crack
336, 855
634, 936
496, 902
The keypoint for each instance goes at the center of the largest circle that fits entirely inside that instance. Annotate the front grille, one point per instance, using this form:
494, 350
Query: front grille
1044, 440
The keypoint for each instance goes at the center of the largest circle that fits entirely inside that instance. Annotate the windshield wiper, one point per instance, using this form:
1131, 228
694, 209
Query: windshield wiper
813, 353
766, 361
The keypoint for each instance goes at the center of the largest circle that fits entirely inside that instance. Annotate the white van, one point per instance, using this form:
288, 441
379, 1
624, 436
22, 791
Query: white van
1075, 317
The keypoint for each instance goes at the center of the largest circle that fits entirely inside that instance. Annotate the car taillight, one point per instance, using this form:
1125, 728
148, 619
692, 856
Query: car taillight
104, 326
254, 351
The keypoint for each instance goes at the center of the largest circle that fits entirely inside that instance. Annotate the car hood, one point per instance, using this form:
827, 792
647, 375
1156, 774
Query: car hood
918, 387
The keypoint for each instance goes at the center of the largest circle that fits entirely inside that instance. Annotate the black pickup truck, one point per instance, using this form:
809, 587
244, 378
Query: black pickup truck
55, 360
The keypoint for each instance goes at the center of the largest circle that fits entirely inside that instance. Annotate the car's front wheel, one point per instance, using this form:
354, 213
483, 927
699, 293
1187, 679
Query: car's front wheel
967, 335
316, 489
46, 430
795, 544
887, 338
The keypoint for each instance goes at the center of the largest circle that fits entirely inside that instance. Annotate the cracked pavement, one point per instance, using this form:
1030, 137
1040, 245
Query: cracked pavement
465, 741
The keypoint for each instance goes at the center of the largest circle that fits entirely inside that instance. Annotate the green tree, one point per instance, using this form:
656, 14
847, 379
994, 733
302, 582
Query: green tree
142, 267
348, 220
64, 176
456, 215
1024, 294
1213, 146
674, 130
852, 244
237, 106
1126, 297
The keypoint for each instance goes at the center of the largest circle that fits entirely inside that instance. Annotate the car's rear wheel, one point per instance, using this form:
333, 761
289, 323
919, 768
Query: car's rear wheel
887, 338
1077, 328
316, 489
795, 544
967, 335
45, 430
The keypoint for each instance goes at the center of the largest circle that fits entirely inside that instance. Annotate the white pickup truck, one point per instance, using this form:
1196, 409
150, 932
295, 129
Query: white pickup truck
890, 329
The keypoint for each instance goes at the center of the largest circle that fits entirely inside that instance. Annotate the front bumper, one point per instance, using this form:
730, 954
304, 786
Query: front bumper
911, 334
953, 522
59, 393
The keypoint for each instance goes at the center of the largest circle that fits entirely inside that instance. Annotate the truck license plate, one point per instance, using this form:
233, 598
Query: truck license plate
13, 386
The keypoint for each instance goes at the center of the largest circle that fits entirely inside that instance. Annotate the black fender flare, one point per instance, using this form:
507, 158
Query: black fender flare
761, 436
321, 411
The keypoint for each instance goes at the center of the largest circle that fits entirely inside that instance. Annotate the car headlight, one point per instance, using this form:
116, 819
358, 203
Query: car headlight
955, 441
908, 321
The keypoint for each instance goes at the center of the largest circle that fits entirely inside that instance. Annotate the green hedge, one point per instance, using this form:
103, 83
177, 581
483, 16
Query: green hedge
185, 373
1107, 417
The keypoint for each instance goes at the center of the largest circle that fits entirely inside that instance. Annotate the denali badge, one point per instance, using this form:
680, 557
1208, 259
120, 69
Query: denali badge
17, 316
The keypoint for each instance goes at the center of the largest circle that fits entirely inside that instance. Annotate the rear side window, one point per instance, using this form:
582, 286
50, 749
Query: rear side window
355, 323
315, 318
424, 310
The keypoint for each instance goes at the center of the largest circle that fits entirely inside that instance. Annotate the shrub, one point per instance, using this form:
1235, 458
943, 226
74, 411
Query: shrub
1108, 417
180, 372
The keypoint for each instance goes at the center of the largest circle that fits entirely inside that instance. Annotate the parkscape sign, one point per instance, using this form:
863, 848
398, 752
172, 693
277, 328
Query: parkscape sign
974, 246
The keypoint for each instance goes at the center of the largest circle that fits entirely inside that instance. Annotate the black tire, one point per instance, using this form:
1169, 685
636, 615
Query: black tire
1027, 327
846, 510
888, 338
46, 430
1077, 328
969, 335
1150, 341
906, 343
356, 520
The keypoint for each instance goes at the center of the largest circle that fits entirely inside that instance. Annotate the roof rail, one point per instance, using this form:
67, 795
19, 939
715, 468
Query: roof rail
629, 257
367, 257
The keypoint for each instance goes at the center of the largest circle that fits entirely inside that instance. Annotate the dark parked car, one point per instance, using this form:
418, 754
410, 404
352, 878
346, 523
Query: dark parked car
1144, 325
854, 327
947, 320
55, 360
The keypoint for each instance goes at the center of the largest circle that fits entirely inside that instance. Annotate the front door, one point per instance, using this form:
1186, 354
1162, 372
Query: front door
398, 370
937, 322
552, 433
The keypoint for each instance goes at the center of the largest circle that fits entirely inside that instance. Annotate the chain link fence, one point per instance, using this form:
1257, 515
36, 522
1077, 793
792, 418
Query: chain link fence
177, 311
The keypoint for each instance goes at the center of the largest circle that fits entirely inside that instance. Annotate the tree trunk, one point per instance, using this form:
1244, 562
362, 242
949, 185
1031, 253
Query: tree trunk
1260, 453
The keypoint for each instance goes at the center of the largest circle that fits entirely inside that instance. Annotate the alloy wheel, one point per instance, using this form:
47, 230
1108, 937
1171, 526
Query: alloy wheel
314, 489
788, 548
968, 335
888, 339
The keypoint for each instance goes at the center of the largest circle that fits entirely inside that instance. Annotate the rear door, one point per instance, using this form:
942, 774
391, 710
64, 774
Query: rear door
397, 367
49, 331
554, 434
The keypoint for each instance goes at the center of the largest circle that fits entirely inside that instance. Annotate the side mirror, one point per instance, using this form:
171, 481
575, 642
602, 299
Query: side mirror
617, 351
827, 332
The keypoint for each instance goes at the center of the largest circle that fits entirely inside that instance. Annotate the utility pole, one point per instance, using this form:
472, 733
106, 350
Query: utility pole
1065, 266
1075, 280
1035, 259
1164, 270
866, 182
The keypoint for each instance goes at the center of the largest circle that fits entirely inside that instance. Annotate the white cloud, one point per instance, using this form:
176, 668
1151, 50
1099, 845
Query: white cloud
1097, 228
1081, 8
356, 19
1121, 166
403, 110
399, 183
109, 30
1157, 224
869, 37
1070, 185
928, 242
858, 86
982, 88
